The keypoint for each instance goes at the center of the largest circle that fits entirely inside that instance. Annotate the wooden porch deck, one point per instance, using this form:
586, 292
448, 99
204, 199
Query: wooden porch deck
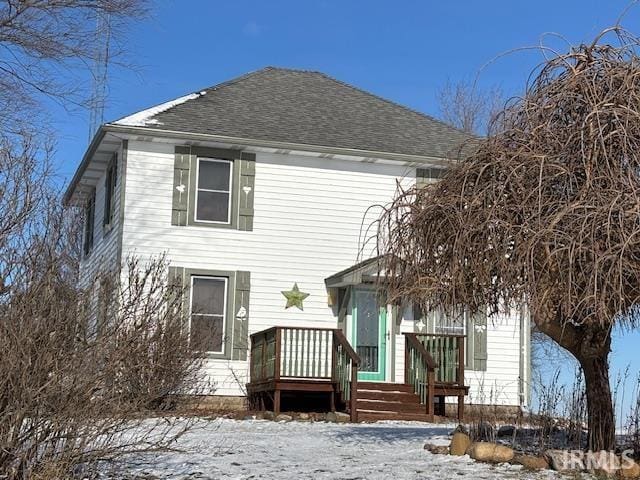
295, 361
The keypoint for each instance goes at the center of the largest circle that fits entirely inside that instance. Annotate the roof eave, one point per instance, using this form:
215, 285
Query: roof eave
156, 132
146, 131
86, 159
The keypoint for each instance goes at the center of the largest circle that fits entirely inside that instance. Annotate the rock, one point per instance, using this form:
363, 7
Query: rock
461, 428
565, 460
531, 462
629, 469
338, 417
506, 431
304, 417
268, 415
490, 452
436, 449
459, 443
283, 418
249, 417
601, 463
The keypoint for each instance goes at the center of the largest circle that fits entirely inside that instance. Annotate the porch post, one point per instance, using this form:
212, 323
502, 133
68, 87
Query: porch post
354, 393
276, 401
431, 376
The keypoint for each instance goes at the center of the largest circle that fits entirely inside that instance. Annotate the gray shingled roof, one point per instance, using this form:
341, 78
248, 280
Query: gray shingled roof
305, 107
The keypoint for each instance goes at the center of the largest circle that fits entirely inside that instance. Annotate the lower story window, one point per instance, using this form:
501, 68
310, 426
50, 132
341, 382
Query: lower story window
208, 311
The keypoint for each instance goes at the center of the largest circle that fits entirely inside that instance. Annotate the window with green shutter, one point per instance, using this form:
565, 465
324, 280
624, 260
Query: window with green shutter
474, 327
216, 306
89, 216
110, 192
213, 187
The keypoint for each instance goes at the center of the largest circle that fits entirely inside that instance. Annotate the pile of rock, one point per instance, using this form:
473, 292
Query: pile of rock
601, 463
334, 417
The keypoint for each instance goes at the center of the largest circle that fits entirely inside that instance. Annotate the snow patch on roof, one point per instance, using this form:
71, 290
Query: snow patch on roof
145, 117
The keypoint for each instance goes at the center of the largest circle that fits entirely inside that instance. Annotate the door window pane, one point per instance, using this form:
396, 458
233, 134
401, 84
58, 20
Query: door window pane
208, 310
367, 330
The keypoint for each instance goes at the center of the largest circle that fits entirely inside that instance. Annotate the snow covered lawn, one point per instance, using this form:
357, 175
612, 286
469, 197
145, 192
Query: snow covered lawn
234, 449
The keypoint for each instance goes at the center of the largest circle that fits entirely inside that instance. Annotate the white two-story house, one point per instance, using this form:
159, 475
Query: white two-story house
263, 193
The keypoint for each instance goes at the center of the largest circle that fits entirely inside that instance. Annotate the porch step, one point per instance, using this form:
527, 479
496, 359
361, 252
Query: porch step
384, 387
405, 397
389, 401
374, 416
387, 406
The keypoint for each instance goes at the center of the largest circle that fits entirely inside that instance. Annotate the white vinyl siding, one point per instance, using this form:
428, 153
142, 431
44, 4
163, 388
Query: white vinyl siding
313, 217
104, 255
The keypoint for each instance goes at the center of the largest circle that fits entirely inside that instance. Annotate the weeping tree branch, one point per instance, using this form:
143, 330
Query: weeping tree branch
544, 212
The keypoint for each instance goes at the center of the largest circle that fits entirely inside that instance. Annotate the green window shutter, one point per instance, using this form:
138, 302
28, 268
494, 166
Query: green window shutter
88, 223
246, 187
425, 176
177, 287
181, 167
176, 277
241, 316
110, 181
479, 341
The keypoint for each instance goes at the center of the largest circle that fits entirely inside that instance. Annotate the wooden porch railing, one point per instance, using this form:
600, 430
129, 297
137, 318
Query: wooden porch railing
420, 370
448, 353
299, 353
433, 360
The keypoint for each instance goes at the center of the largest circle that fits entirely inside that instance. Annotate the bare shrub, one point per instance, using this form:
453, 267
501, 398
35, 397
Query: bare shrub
80, 368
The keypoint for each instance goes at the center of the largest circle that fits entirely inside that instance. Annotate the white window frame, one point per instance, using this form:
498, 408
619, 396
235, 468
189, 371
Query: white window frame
224, 311
230, 191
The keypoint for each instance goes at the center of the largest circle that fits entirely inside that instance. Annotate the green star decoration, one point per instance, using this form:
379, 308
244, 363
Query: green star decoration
294, 297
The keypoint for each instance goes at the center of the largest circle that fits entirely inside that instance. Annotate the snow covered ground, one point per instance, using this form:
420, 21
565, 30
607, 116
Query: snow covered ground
246, 449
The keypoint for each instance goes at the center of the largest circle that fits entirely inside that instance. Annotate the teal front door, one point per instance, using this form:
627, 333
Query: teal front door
369, 334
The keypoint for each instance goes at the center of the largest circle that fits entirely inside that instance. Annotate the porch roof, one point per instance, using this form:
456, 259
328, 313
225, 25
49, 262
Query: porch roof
367, 271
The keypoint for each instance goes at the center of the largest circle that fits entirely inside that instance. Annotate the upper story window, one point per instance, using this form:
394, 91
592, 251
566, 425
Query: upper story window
208, 313
213, 191
213, 187
110, 192
89, 215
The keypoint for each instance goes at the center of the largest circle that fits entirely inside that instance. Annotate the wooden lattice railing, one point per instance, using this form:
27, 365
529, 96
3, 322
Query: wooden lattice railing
299, 353
447, 352
420, 370
433, 359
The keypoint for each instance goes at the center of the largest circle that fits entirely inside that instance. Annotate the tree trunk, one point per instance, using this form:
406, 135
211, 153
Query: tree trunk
590, 345
601, 421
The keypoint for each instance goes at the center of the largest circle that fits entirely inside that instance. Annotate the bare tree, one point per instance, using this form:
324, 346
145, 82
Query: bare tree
543, 213
466, 106
49, 46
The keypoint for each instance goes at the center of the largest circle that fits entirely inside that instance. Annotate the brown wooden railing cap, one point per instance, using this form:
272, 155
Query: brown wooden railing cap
415, 343
342, 340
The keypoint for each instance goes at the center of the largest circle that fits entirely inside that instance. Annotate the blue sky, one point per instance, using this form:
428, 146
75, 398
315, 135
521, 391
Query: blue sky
401, 50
